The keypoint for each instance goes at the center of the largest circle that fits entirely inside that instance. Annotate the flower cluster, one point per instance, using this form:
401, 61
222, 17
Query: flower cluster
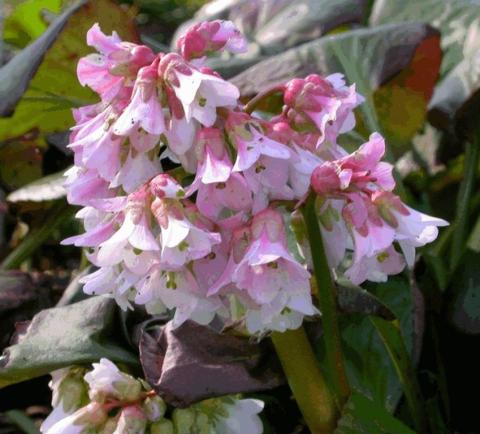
220, 241
106, 400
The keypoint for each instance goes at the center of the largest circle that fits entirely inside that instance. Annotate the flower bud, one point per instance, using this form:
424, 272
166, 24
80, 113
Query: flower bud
184, 420
163, 426
154, 408
132, 420
106, 381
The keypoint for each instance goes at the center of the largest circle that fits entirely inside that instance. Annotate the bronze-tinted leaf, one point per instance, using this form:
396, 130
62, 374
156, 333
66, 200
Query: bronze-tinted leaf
20, 298
194, 362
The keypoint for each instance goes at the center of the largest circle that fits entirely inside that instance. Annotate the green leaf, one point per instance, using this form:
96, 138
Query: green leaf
394, 66
75, 334
16, 75
363, 416
368, 365
27, 21
465, 309
47, 188
22, 421
54, 89
352, 299
392, 338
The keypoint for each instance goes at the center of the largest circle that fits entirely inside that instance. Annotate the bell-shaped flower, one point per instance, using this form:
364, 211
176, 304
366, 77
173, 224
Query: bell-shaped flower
376, 268
161, 290
106, 381
250, 142
214, 163
199, 92
412, 228
132, 420
185, 234
144, 110
262, 268
325, 104
135, 231
85, 419
106, 72
84, 186
208, 37
221, 200
69, 393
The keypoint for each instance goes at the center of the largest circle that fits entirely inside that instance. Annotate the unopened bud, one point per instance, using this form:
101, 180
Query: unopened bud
183, 420
154, 408
163, 426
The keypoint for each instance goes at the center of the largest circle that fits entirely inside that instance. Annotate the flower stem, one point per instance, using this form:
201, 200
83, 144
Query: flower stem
306, 380
328, 307
255, 101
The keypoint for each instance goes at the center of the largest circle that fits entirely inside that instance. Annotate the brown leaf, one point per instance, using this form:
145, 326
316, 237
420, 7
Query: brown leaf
193, 362
21, 297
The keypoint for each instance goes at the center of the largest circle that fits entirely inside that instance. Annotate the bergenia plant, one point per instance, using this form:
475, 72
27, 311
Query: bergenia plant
250, 227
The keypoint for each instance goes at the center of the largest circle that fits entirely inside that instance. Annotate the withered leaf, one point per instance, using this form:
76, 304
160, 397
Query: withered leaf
194, 362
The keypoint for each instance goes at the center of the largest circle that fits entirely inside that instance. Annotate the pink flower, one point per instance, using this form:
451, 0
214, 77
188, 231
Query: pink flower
207, 37
144, 110
325, 104
356, 172
134, 233
264, 272
247, 136
220, 200
185, 234
200, 93
161, 290
412, 228
214, 164
376, 268
106, 72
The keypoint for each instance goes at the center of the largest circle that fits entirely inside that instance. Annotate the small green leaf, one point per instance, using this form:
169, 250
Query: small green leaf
75, 334
363, 416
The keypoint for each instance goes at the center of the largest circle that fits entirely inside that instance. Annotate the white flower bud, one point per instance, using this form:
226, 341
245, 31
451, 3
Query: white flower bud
154, 408
107, 381
132, 421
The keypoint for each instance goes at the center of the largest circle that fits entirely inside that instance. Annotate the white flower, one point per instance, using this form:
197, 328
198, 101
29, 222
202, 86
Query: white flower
105, 380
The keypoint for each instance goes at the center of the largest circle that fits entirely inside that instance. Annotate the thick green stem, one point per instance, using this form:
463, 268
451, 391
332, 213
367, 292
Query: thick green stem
328, 306
306, 380
472, 154
257, 99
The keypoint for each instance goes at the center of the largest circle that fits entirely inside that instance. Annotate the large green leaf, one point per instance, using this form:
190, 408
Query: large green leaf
27, 21
363, 416
394, 66
16, 75
465, 309
54, 88
369, 367
64, 336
